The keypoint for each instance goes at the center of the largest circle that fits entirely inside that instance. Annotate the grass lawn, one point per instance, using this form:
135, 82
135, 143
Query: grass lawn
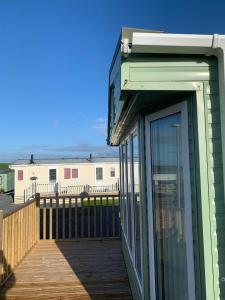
4, 166
98, 202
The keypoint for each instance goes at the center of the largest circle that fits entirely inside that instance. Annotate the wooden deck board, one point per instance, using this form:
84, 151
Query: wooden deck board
70, 270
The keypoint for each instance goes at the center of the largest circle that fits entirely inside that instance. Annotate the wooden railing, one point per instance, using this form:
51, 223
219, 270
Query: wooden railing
74, 217
55, 218
51, 188
19, 231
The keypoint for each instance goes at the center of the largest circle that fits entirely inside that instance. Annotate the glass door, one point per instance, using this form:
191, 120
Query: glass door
170, 209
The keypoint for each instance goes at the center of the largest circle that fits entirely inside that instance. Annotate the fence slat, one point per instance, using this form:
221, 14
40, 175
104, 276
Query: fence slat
57, 218
76, 233
95, 219
107, 216
113, 217
82, 217
89, 218
50, 220
70, 220
101, 232
63, 221
44, 220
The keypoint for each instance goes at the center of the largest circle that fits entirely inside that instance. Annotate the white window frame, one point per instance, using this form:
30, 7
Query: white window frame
182, 108
132, 253
135, 133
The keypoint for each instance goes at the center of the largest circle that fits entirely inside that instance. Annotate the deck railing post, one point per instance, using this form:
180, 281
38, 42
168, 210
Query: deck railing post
1, 246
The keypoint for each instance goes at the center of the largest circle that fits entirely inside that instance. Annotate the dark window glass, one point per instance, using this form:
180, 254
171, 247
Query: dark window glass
52, 174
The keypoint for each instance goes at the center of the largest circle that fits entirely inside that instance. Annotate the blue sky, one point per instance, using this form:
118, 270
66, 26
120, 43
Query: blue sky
54, 62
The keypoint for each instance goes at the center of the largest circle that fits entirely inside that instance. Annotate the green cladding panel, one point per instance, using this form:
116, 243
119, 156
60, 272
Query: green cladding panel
7, 180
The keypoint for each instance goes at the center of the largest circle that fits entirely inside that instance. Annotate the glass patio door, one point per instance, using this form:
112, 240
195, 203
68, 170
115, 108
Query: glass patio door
170, 209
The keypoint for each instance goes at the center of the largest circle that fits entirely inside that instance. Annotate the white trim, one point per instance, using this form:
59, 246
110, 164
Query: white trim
180, 107
132, 252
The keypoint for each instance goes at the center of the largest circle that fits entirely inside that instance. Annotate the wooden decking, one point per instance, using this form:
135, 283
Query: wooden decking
70, 270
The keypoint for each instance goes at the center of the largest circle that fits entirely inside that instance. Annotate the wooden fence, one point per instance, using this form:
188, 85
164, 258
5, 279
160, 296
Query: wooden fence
75, 217
55, 218
19, 231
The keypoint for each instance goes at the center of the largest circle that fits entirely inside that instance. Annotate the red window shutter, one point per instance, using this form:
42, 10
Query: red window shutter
20, 175
66, 173
74, 173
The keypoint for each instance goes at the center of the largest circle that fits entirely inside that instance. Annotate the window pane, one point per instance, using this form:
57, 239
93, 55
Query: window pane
125, 187
74, 173
52, 174
129, 195
67, 173
168, 209
0, 179
20, 175
99, 173
121, 185
137, 205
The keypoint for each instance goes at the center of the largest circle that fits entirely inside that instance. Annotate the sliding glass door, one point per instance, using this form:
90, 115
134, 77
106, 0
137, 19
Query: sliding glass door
170, 207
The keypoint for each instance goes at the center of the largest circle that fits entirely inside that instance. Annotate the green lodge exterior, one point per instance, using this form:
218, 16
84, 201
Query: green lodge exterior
6, 180
167, 114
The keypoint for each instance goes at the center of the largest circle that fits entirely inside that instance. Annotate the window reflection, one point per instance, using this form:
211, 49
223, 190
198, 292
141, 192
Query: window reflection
168, 206
129, 195
130, 199
124, 152
137, 205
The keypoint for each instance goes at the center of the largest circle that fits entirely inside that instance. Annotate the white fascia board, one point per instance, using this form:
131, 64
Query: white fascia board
171, 43
188, 44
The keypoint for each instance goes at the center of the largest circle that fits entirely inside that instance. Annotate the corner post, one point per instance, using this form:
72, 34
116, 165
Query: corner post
37, 197
1, 247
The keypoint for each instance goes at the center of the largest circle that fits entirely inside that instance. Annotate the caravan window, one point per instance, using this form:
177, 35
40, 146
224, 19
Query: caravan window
52, 174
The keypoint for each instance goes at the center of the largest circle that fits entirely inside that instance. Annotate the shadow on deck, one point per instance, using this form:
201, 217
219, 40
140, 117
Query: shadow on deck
70, 270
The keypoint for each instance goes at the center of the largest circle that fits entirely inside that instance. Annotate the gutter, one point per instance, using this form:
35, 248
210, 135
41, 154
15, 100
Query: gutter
185, 44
